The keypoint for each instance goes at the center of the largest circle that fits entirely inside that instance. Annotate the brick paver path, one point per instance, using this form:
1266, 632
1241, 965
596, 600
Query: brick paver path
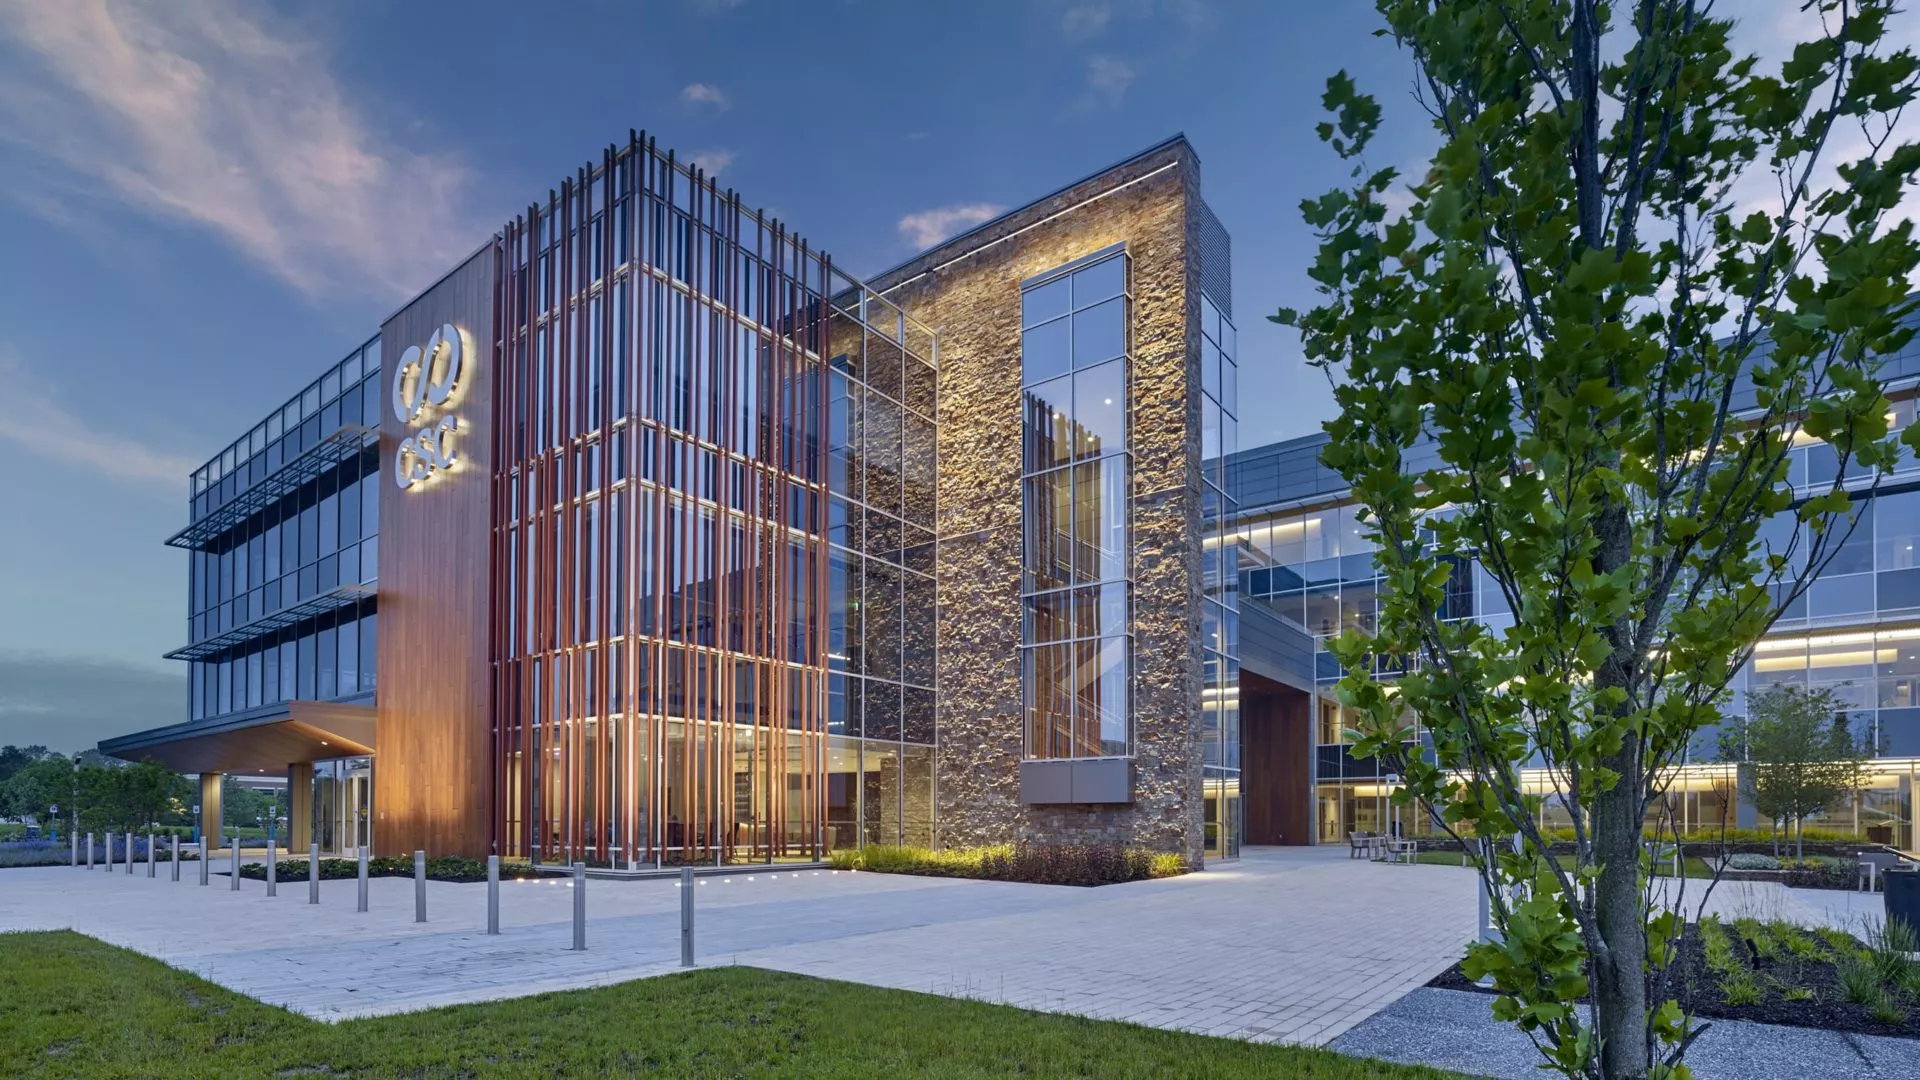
1283, 945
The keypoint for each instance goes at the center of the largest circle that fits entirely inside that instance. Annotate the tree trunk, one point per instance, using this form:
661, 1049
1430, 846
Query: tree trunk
1620, 980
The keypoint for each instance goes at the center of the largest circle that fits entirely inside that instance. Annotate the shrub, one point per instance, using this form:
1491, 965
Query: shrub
1040, 864
1797, 943
35, 853
1741, 988
1818, 872
1721, 959
1887, 1010
1857, 980
1752, 862
452, 868
1759, 942
1888, 951
1167, 864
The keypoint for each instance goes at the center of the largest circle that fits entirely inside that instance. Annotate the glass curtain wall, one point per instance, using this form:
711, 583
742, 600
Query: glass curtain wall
666, 532
1220, 606
1076, 643
880, 482
318, 537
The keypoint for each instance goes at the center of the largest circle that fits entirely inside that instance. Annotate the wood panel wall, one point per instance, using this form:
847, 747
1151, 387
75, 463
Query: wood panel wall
1276, 762
432, 774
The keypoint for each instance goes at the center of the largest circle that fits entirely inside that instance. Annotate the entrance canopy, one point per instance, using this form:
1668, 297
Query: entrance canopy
263, 740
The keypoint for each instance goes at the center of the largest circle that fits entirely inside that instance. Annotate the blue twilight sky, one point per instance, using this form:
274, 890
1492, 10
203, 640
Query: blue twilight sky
203, 203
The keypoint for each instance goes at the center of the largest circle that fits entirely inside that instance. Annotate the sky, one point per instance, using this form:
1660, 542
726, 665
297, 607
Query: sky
204, 202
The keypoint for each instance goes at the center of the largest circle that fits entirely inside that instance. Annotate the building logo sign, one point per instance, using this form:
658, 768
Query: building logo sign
425, 385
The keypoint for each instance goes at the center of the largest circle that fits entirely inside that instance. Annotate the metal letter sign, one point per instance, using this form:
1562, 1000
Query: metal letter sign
427, 379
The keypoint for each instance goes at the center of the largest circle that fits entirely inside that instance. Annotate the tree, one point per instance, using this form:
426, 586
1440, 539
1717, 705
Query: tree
15, 758
149, 793
1608, 357
36, 788
1801, 756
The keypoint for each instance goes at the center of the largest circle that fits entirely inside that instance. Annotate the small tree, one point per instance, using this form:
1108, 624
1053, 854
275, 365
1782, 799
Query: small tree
1578, 359
243, 806
1801, 757
149, 792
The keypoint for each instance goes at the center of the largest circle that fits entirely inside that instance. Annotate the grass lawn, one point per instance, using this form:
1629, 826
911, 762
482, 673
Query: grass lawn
74, 1006
1691, 866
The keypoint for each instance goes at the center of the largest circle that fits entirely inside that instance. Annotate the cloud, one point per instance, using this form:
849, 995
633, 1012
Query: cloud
70, 703
1772, 34
1086, 20
705, 94
206, 113
712, 162
929, 227
32, 416
1107, 80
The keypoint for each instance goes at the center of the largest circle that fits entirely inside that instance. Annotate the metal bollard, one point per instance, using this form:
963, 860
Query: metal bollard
686, 916
363, 877
206, 862
89, 851
235, 886
129, 852
176, 857
579, 907
73, 841
493, 894
153, 858
273, 873
313, 874
419, 886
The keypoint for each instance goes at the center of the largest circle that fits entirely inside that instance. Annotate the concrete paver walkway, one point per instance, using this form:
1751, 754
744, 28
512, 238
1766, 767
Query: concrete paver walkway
1284, 945
1453, 1029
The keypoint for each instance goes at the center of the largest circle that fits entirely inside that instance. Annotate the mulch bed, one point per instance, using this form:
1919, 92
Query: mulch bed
1698, 990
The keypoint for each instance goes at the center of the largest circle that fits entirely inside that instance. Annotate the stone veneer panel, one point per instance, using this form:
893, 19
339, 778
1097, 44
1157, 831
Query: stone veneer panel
969, 292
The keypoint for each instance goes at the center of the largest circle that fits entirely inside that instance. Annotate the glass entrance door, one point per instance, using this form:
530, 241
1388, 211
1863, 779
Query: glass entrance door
343, 805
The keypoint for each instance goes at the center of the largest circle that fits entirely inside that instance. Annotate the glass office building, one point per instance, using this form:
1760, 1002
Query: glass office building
1855, 632
648, 536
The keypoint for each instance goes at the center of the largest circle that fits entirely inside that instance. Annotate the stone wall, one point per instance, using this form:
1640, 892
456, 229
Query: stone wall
969, 292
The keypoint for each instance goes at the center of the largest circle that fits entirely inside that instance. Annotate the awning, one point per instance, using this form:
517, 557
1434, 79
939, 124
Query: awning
263, 740
333, 600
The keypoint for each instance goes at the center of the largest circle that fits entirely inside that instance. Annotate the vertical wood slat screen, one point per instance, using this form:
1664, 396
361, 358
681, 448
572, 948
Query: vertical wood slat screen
659, 524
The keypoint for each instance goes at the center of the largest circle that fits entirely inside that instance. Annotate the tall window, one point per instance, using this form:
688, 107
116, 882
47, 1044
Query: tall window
1077, 652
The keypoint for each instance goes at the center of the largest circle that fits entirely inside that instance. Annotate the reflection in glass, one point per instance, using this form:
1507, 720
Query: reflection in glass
1046, 351
1049, 424
1100, 409
1104, 279
1100, 333
1076, 663
1044, 302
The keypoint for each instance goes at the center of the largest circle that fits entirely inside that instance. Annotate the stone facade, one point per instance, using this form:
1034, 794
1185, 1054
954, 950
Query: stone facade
969, 291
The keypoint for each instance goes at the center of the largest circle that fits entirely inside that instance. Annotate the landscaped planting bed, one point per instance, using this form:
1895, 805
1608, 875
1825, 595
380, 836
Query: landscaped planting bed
1778, 973
449, 869
1036, 864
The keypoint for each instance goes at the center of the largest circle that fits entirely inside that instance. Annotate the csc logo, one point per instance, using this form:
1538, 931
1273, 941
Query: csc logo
427, 377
